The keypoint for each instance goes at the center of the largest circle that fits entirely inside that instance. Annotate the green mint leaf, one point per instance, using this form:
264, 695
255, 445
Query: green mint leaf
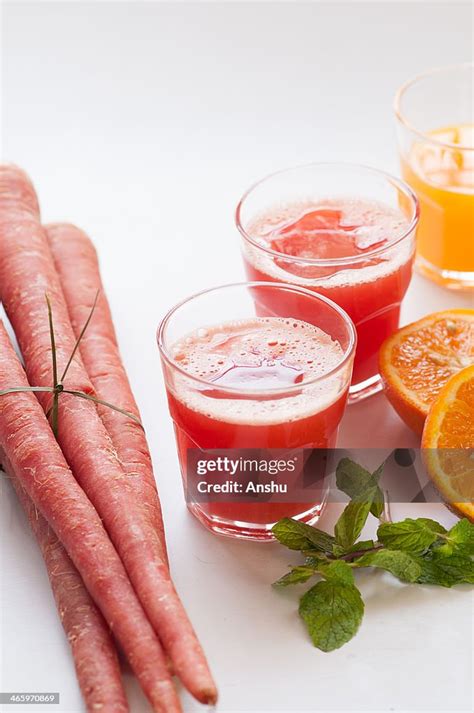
296, 576
351, 522
432, 525
354, 480
378, 503
414, 536
332, 612
461, 537
401, 564
360, 546
299, 536
446, 571
338, 571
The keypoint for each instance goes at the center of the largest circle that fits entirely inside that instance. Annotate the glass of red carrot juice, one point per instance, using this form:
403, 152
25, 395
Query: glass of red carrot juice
344, 231
240, 382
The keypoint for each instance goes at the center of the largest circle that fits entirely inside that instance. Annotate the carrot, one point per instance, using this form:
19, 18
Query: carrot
93, 649
38, 464
77, 265
27, 272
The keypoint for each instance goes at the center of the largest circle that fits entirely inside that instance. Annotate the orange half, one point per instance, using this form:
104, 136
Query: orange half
418, 360
448, 443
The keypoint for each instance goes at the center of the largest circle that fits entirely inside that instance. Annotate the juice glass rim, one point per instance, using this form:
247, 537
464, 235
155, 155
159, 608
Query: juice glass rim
348, 352
331, 262
410, 83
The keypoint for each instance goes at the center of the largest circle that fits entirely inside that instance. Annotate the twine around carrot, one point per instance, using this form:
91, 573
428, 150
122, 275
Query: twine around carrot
58, 383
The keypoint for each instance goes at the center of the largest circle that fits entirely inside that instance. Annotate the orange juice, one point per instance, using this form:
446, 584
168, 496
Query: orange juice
440, 170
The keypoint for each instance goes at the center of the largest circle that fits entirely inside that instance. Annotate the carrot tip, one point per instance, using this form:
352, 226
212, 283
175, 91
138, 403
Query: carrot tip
208, 697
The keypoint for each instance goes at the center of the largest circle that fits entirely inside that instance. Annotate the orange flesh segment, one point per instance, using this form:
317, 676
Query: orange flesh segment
427, 357
449, 436
419, 359
457, 426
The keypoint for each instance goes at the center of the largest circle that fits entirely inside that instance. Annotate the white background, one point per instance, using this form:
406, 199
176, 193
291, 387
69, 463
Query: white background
143, 123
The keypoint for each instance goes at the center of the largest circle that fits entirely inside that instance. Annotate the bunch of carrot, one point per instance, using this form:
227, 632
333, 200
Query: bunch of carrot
89, 492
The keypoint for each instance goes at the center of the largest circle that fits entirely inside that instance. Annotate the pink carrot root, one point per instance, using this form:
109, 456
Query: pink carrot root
37, 463
27, 272
76, 262
93, 649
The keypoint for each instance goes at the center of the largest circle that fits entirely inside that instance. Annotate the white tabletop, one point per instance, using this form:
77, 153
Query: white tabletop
143, 123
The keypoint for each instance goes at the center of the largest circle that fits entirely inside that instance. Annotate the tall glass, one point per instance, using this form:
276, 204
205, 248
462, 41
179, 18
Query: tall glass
343, 231
258, 391
435, 129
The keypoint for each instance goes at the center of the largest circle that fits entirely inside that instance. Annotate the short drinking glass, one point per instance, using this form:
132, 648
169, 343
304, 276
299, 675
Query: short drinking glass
340, 230
435, 125
238, 380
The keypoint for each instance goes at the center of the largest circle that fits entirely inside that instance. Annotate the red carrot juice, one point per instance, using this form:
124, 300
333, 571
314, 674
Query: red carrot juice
358, 252
257, 383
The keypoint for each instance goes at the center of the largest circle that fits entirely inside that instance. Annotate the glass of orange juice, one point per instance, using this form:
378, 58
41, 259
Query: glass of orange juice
436, 138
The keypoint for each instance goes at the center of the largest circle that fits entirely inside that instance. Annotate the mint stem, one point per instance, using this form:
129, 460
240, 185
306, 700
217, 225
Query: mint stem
353, 555
386, 515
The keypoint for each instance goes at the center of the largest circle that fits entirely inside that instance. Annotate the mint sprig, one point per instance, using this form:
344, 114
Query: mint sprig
416, 551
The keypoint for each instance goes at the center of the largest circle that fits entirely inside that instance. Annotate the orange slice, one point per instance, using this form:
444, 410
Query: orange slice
418, 360
448, 443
